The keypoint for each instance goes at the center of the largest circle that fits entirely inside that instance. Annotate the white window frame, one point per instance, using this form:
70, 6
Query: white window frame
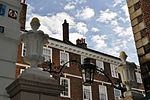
100, 64
138, 77
103, 90
68, 80
115, 95
89, 89
23, 50
45, 54
21, 70
61, 63
82, 59
113, 71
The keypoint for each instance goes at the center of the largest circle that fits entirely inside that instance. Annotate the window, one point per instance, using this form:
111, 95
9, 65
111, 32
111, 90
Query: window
103, 92
82, 59
2, 9
24, 50
143, 32
1, 29
137, 5
138, 77
100, 64
147, 48
21, 70
47, 53
66, 83
140, 18
113, 71
87, 93
64, 57
117, 94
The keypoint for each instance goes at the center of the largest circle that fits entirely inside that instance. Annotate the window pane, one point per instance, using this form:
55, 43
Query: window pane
64, 57
102, 92
100, 65
47, 53
87, 94
65, 82
117, 94
113, 71
138, 77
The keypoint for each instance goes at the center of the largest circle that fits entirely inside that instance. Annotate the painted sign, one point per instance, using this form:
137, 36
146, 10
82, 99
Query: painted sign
12, 13
2, 9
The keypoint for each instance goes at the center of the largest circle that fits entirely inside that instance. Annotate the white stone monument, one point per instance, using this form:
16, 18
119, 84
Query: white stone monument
34, 84
127, 73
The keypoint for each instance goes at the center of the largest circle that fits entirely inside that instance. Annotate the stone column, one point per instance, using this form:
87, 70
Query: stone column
34, 84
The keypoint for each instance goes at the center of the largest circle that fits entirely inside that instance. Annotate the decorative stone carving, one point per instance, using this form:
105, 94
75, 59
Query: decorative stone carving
35, 40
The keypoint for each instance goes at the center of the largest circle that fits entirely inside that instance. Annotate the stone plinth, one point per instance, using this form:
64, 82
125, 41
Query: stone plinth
132, 95
34, 84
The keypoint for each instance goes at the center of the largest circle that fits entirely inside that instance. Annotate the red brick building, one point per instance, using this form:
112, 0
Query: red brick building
62, 51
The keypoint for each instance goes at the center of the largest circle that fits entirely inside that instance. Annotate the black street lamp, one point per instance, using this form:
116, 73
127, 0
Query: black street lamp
88, 70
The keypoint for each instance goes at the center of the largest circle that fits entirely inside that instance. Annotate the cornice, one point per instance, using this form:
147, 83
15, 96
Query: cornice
83, 52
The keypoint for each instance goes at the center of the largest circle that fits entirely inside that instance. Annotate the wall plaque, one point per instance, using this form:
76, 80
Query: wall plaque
12, 13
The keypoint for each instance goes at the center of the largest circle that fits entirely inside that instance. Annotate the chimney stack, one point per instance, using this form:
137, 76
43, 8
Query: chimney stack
81, 43
65, 31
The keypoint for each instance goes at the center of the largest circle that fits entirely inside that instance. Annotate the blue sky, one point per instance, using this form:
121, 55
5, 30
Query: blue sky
104, 24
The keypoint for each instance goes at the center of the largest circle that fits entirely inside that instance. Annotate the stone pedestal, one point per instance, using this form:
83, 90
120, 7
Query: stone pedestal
132, 95
34, 84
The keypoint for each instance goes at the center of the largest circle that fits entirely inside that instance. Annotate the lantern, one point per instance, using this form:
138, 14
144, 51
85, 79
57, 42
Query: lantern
88, 70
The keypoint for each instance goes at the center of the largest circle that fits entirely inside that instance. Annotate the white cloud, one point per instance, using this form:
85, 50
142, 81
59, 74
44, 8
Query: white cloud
125, 10
74, 36
81, 28
52, 25
116, 2
99, 41
81, 1
70, 6
94, 29
85, 13
106, 16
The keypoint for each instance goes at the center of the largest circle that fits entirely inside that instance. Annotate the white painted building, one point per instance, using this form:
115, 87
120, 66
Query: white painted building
9, 38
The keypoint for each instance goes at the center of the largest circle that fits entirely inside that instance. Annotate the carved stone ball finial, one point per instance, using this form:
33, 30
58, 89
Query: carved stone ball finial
123, 56
35, 24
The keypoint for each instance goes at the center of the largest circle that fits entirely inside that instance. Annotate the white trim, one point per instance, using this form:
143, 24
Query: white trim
79, 77
80, 51
69, 94
75, 76
22, 49
138, 89
102, 82
23, 65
